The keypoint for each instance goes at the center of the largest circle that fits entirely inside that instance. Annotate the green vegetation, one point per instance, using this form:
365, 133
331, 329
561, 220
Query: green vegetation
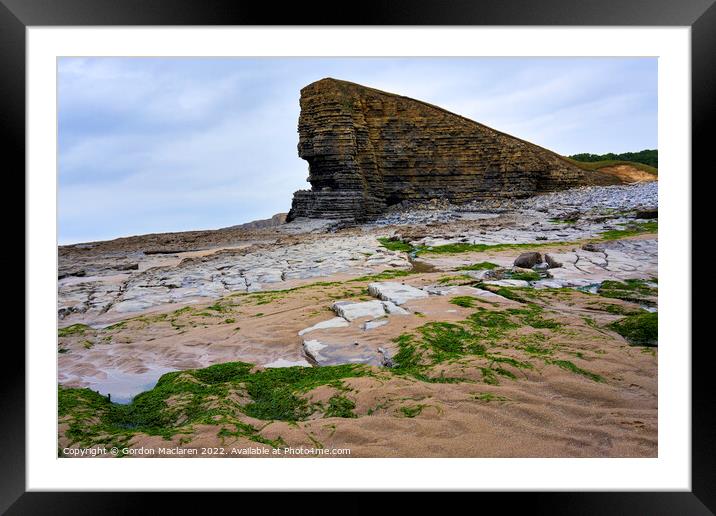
534, 349
395, 244
488, 397
340, 406
479, 248
631, 229
75, 329
596, 165
569, 366
385, 275
525, 276
218, 307
205, 396
497, 322
462, 279
464, 301
648, 157
226, 395
641, 329
513, 293
634, 290
621, 310
532, 316
479, 266
272, 295
439, 342
412, 410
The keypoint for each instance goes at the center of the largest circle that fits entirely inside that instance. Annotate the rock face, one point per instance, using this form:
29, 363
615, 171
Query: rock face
368, 149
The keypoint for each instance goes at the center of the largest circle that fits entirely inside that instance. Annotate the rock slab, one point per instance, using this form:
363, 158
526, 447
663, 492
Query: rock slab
396, 293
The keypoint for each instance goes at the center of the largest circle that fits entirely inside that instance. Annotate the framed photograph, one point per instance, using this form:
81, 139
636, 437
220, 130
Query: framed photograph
418, 250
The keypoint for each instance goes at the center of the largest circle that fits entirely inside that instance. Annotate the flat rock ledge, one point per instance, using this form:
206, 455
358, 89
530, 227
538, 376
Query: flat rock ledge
336, 322
351, 311
397, 293
337, 353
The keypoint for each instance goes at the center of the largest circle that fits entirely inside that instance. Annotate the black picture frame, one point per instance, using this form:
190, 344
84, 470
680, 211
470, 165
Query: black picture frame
700, 15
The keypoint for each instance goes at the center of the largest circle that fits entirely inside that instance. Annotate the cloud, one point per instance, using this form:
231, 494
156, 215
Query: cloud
155, 144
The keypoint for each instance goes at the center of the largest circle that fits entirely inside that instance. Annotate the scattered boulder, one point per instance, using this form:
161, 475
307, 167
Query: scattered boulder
336, 322
481, 274
594, 248
568, 216
394, 309
647, 214
351, 311
551, 262
543, 266
313, 349
509, 283
325, 353
376, 323
385, 361
528, 260
395, 292
78, 273
548, 283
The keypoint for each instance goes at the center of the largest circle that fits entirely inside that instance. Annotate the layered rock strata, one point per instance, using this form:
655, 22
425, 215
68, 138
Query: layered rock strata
368, 150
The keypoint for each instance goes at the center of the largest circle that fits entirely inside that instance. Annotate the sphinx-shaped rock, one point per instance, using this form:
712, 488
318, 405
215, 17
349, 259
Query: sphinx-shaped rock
368, 149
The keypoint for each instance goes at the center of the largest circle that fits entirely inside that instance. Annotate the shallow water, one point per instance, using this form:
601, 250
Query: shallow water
589, 289
123, 387
419, 266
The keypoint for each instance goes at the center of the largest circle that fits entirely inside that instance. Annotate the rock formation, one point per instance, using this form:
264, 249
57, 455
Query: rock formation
368, 149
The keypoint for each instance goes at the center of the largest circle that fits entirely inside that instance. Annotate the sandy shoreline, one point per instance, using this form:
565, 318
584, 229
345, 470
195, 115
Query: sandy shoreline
570, 387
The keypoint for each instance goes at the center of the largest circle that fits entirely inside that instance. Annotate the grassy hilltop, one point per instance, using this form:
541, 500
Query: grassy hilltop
646, 160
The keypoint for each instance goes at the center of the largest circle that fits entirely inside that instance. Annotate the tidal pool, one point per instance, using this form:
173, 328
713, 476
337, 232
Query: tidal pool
123, 387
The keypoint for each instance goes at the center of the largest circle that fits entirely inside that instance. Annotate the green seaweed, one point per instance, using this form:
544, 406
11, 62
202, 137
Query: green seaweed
412, 410
641, 329
181, 399
631, 229
74, 329
385, 275
340, 406
470, 248
461, 279
532, 316
525, 276
488, 397
464, 301
395, 244
569, 366
633, 290
479, 266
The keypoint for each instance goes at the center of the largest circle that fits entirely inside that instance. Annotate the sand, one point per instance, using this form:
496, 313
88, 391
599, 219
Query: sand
545, 410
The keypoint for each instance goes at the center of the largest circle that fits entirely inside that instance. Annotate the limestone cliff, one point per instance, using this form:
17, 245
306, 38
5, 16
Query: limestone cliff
368, 149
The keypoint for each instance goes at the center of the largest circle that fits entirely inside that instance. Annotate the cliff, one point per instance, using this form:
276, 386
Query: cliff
368, 149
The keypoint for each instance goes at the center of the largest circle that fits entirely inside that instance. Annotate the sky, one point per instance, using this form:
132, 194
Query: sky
152, 145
